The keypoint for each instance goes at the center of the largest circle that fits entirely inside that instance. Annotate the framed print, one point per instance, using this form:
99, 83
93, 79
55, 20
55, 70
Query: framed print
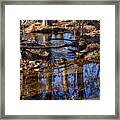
59, 59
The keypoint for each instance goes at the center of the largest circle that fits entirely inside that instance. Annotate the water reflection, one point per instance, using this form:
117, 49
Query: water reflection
60, 76
91, 76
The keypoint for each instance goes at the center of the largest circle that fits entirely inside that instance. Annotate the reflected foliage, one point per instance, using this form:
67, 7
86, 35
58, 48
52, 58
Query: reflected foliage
59, 65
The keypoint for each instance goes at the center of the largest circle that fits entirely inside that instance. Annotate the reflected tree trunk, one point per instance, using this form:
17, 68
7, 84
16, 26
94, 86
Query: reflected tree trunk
80, 82
44, 23
65, 79
81, 28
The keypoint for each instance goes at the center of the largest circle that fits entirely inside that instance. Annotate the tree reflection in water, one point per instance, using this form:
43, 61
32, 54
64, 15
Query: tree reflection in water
62, 76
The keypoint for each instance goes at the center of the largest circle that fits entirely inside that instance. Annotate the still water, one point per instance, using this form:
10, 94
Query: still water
60, 76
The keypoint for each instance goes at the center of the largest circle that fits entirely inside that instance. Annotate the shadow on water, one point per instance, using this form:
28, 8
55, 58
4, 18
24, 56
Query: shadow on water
60, 76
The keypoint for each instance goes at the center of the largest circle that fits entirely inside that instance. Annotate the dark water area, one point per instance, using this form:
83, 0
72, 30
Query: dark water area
60, 76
